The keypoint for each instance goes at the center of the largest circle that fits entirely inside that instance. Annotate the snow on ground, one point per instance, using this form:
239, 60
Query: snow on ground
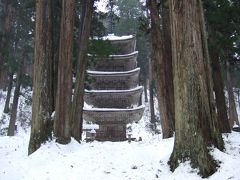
3, 118
140, 160
106, 160
2, 100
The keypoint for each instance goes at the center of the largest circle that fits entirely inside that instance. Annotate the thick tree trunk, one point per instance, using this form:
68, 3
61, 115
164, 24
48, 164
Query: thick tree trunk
5, 28
218, 88
151, 97
146, 78
167, 56
12, 122
78, 102
196, 124
64, 90
233, 116
166, 111
7, 102
41, 127
56, 7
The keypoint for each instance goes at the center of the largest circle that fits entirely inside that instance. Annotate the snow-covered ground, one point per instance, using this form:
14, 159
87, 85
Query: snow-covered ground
146, 159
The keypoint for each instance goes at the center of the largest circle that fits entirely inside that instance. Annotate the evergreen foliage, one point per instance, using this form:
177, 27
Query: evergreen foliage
223, 25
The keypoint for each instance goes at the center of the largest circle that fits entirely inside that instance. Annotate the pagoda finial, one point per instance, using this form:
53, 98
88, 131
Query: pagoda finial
111, 17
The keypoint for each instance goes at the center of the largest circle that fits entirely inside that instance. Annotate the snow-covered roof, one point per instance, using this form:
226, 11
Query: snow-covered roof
112, 37
114, 91
90, 126
113, 115
124, 55
93, 131
112, 109
112, 73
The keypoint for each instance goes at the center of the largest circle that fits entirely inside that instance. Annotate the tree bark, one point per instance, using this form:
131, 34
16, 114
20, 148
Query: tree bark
218, 88
238, 92
167, 56
5, 28
145, 89
166, 111
56, 7
10, 84
196, 124
64, 90
233, 116
41, 127
151, 99
78, 102
3, 78
12, 122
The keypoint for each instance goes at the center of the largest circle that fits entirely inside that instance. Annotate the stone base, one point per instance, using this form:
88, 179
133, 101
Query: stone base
111, 132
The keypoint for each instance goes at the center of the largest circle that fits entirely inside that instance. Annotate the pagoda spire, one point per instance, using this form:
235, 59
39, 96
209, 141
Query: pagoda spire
111, 18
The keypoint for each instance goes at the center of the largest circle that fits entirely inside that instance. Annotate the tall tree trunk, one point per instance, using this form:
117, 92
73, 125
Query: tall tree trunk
41, 127
233, 116
166, 111
78, 102
218, 88
3, 78
145, 89
151, 98
5, 28
12, 122
10, 84
64, 90
167, 56
56, 7
238, 92
196, 124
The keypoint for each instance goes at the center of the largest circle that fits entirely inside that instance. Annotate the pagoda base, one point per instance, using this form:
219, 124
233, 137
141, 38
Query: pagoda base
111, 132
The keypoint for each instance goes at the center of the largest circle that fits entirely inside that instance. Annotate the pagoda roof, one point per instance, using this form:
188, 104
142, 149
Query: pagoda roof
117, 56
139, 88
112, 73
113, 115
113, 98
112, 37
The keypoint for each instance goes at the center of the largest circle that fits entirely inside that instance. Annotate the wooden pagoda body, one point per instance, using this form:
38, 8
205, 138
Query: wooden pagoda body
113, 91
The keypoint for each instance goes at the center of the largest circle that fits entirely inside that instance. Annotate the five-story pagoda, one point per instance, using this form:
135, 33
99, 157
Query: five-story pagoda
113, 91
